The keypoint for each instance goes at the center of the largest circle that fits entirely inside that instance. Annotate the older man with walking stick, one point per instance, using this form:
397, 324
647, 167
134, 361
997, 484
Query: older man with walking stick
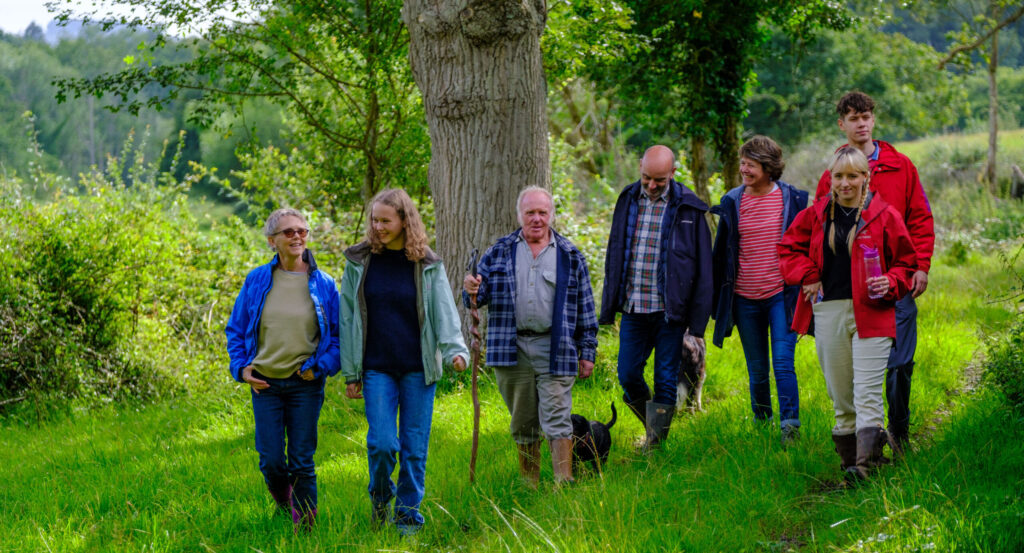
542, 330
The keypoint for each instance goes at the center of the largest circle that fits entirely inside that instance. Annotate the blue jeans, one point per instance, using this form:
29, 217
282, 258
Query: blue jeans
389, 435
288, 411
639, 333
754, 319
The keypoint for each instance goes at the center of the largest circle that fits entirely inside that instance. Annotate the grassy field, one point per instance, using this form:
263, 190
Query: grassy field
182, 475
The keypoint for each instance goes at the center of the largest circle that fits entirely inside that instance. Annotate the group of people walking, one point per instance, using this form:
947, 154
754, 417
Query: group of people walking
846, 269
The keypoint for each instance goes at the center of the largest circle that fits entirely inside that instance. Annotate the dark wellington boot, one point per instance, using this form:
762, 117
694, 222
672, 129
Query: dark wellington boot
303, 521
638, 407
282, 494
897, 393
378, 516
659, 421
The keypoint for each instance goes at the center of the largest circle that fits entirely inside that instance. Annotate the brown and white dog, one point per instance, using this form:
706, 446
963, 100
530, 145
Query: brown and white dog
692, 372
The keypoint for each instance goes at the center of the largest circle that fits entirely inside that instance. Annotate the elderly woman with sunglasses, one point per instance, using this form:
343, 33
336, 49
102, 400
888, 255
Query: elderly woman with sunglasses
283, 342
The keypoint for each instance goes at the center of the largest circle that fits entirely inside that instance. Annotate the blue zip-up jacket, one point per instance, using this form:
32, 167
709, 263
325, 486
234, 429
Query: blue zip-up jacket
684, 268
726, 254
243, 327
573, 323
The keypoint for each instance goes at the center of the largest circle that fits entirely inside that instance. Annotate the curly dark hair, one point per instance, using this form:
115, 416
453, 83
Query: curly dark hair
855, 102
765, 151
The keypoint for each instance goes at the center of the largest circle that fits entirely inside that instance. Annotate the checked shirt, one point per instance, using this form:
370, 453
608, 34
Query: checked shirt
573, 321
642, 275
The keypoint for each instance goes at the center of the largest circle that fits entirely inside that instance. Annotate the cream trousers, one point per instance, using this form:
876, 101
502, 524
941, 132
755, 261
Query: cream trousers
854, 367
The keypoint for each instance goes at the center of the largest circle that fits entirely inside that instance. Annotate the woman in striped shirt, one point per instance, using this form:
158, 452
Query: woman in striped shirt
749, 290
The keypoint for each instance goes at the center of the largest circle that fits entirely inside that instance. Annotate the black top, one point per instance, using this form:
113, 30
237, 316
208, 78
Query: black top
835, 275
392, 321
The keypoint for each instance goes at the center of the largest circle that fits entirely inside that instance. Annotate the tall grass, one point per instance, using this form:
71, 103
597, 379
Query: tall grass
183, 476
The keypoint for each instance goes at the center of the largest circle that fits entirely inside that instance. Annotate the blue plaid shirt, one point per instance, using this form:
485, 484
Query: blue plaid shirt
573, 323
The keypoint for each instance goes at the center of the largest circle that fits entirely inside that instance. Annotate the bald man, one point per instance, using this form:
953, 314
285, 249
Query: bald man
658, 275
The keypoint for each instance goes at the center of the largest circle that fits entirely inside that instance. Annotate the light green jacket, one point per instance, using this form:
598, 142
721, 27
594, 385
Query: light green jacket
440, 332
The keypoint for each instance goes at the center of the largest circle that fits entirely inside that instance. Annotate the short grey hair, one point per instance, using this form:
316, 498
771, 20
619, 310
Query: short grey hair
527, 190
270, 227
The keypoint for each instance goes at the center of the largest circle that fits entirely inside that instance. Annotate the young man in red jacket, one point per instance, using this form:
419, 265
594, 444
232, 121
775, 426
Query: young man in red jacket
894, 178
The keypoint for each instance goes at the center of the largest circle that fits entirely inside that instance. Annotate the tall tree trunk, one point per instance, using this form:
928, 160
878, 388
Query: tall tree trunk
478, 65
699, 168
729, 154
699, 172
993, 115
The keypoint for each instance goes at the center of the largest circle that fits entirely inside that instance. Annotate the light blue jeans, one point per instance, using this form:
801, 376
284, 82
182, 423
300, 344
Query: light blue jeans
398, 412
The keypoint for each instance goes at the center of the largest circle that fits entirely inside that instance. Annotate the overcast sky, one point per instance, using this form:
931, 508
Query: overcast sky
15, 15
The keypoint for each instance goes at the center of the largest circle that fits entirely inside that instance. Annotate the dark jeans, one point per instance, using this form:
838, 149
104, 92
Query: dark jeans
754, 320
398, 412
901, 367
639, 333
288, 411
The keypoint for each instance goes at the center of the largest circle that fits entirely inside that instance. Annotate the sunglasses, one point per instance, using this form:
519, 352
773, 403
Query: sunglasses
291, 232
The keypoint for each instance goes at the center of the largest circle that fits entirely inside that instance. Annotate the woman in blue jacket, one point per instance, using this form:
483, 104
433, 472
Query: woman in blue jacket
397, 305
283, 343
749, 290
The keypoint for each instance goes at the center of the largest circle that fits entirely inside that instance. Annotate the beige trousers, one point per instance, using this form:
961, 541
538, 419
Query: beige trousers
537, 401
854, 367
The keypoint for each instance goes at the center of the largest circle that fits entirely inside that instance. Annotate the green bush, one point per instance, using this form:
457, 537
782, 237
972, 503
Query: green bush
109, 290
1004, 366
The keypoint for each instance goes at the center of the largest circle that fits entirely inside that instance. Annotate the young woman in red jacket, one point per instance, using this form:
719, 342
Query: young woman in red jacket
826, 250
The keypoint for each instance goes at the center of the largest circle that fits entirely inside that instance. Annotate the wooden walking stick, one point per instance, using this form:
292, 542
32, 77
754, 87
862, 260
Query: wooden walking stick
474, 347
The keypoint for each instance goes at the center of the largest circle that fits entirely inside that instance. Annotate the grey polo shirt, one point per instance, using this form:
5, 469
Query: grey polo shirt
535, 286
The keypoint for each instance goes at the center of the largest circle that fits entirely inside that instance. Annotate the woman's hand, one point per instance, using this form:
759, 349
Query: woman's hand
255, 383
353, 390
810, 291
459, 363
306, 374
878, 285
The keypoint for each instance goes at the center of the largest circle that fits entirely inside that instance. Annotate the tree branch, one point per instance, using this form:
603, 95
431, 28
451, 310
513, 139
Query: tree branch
981, 40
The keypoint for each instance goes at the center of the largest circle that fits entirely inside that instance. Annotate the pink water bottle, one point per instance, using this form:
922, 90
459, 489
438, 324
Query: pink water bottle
873, 266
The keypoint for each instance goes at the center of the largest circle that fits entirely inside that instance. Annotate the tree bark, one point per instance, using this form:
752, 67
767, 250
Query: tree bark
478, 66
699, 168
699, 173
993, 115
729, 154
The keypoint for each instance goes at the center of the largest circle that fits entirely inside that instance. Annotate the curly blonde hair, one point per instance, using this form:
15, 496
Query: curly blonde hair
415, 230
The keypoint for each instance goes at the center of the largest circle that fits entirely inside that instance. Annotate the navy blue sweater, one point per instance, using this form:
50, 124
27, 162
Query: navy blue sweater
392, 322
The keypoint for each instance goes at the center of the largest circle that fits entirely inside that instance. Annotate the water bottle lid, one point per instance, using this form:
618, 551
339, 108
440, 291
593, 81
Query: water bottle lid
868, 250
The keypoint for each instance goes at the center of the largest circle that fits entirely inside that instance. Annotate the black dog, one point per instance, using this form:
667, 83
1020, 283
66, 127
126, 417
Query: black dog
692, 372
591, 440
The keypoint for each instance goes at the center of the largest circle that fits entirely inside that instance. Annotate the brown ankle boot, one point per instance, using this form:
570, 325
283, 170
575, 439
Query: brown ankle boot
561, 460
529, 463
846, 447
870, 442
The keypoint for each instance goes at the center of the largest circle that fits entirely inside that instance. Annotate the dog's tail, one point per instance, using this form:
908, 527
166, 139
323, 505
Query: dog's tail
615, 416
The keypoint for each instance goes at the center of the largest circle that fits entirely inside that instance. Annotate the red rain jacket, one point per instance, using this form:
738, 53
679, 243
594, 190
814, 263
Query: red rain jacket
895, 178
801, 253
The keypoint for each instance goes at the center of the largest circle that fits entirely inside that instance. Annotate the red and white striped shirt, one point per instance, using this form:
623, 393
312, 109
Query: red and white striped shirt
759, 275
